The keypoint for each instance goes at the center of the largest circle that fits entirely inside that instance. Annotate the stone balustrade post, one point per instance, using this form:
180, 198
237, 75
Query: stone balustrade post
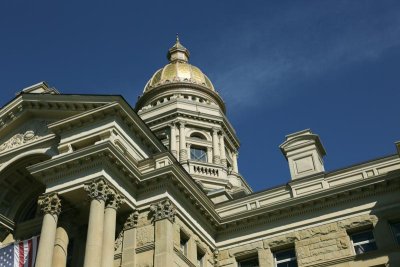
163, 216
114, 200
97, 191
129, 247
51, 207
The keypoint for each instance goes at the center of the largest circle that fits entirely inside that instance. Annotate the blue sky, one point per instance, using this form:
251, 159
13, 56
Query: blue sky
281, 66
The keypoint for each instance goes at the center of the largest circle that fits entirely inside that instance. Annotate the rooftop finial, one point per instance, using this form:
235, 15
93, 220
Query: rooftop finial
177, 38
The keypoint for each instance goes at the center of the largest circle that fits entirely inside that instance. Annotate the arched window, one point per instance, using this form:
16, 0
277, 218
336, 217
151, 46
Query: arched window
197, 135
198, 154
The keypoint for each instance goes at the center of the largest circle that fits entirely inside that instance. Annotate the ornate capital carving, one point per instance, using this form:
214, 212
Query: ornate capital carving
50, 204
163, 210
114, 200
132, 220
97, 189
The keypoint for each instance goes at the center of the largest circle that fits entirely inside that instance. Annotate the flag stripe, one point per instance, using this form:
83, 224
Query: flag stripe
21, 254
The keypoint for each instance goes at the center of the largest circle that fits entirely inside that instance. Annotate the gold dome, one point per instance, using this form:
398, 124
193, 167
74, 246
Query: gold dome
178, 70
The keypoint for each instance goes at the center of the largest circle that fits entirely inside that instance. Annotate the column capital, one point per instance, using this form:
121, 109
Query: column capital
97, 189
50, 204
215, 130
132, 220
163, 210
114, 200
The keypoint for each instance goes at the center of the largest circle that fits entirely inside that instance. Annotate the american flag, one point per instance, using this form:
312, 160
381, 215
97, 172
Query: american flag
20, 254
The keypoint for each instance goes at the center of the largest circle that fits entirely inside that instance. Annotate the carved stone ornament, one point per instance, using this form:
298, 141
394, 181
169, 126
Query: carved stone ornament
163, 210
29, 133
50, 204
114, 200
132, 221
97, 189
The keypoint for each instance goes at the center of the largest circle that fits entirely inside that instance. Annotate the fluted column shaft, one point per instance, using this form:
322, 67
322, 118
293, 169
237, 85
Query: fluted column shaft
216, 155
51, 207
234, 162
172, 145
110, 216
182, 143
223, 155
97, 191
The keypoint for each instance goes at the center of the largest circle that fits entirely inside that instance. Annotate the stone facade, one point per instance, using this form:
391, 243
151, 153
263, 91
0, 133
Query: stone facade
159, 185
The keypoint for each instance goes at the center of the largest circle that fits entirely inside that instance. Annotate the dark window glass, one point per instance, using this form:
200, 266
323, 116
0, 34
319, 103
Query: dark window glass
285, 258
363, 242
249, 263
396, 231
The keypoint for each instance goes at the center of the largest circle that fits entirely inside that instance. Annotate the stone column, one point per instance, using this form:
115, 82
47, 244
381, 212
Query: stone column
222, 145
188, 146
60, 248
234, 162
172, 145
216, 156
163, 216
97, 191
114, 200
51, 207
128, 249
183, 156
209, 154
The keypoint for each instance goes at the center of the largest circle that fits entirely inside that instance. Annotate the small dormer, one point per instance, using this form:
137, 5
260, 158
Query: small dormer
304, 152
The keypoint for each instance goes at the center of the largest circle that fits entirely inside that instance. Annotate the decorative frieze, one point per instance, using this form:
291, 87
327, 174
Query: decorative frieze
163, 210
50, 204
131, 221
97, 189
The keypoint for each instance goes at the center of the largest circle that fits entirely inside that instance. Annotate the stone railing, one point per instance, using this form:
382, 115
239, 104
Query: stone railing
205, 169
301, 188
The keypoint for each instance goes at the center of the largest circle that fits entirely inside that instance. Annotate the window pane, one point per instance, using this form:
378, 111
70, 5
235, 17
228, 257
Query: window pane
249, 263
396, 231
362, 237
360, 249
198, 154
288, 254
292, 263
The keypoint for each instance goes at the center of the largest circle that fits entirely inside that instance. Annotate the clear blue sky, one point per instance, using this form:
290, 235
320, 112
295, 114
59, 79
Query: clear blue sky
281, 66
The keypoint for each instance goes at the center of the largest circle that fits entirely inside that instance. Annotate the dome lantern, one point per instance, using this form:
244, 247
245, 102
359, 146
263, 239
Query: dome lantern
178, 52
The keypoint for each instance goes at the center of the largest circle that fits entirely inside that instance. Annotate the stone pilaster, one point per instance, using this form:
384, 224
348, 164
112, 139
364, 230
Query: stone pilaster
163, 216
97, 191
130, 233
114, 200
172, 145
51, 206
183, 156
216, 154
234, 162
222, 147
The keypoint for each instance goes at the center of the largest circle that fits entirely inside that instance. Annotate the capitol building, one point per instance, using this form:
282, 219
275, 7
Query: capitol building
107, 184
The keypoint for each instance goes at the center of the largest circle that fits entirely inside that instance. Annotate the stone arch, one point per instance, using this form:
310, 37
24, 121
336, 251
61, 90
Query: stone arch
19, 192
200, 135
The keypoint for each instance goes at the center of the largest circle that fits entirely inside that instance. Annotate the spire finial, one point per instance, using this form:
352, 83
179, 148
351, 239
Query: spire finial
177, 38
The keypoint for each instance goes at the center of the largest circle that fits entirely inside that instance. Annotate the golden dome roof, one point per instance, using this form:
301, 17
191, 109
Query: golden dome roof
178, 70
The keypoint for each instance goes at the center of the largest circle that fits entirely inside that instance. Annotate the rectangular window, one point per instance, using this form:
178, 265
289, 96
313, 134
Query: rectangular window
396, 231
285, 258
363, 242
253, 262
198, 154
184, 243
